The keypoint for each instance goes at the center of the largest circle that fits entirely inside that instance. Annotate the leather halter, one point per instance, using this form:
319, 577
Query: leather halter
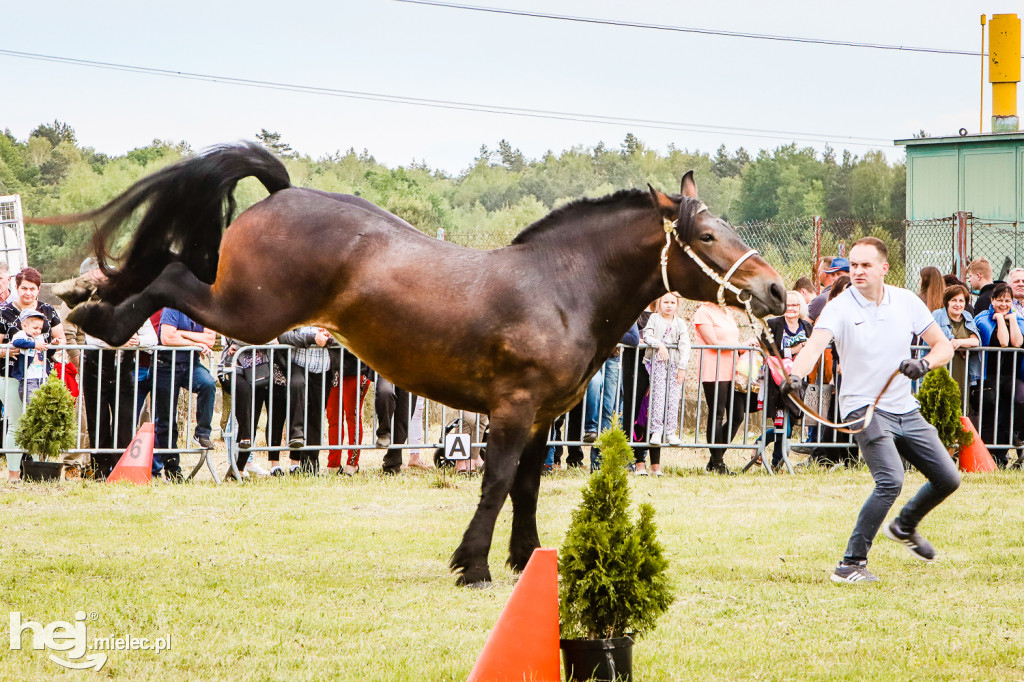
745, 297
721, 280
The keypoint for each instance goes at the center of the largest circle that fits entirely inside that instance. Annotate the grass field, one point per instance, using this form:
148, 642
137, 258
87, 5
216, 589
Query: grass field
346, 578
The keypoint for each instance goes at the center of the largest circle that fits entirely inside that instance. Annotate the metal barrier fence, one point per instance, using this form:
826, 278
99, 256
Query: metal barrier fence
294, 401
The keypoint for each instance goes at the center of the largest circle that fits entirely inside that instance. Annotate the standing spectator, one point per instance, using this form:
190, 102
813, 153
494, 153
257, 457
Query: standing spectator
636, 382
805, 288
307, 392
959, 327
5, 281
604, 392
836, 268
256, 386
109, 388
932, 287
350, 382
668, 369
392, 405
715, 326
790, 333
177, 370
1016, 281
1002, 414
24, 297
979, 280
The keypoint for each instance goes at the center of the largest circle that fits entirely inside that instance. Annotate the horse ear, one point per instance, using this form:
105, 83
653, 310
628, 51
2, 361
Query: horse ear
688, 187
661, 201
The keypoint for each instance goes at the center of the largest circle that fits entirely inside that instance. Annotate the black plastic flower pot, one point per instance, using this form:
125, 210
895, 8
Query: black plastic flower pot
603, 660
41, 471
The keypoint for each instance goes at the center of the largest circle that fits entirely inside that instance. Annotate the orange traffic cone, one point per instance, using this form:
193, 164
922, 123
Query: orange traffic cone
524, 642
136, 464
975, 457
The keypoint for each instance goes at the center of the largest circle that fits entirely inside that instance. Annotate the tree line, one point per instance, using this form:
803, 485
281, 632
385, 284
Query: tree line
496, 196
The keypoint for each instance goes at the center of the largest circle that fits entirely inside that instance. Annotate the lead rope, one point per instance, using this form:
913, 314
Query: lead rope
745, 297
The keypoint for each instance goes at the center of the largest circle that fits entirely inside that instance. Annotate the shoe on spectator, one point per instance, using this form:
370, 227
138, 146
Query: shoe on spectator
276, 471
384, 441
296, 443
655, 438
853, 573
657, 473
589, 436
293, 469
674, 439
255, 469
801, 449
72, 473
640, 472
912, 540
244, 445
203, 441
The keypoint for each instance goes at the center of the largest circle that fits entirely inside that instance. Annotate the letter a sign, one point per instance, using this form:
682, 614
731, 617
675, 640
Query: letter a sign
456, 446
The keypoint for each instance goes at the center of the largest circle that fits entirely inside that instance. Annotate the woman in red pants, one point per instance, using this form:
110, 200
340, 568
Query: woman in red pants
353, 378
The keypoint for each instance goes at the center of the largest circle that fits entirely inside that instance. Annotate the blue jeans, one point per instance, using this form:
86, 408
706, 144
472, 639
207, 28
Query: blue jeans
170, 380
603, 397
145, 386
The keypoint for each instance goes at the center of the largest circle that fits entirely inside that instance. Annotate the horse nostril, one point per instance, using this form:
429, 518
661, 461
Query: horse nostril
777, 292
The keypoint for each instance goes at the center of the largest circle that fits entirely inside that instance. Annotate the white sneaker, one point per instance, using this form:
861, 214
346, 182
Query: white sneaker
641, 472
674, 439
655, 438
252, 467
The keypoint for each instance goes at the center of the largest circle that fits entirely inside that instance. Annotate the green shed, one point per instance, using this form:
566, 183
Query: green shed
965, 199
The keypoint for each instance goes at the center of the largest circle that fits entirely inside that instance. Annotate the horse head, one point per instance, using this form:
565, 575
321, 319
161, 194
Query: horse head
705, 258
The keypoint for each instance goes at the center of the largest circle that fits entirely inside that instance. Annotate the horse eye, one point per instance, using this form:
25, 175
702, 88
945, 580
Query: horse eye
707, 237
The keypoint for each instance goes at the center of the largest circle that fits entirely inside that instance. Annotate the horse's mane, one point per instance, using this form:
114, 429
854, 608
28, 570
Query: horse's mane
632, 197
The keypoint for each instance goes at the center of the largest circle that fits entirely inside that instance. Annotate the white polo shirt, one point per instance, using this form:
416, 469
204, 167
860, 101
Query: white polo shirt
872, 341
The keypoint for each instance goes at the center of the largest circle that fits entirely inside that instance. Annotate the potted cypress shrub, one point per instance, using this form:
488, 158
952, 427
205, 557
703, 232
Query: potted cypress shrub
46, 429
940, 401
612, 581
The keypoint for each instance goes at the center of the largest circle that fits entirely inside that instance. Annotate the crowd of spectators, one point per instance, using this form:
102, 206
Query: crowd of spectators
642, 383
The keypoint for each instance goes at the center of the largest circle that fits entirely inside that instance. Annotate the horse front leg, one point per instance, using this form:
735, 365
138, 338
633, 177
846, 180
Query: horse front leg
508, 436
525, 490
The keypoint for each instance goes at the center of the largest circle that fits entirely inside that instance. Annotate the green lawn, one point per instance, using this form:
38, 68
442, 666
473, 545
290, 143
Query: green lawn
336, 578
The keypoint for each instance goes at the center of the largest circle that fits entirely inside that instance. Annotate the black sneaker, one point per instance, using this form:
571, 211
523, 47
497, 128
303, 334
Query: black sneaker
918, 546
203, 441
853, 574
589, 436
296, 443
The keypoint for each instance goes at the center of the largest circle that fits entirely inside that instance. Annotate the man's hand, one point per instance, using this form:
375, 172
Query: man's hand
791, 385
321, 337
914, 369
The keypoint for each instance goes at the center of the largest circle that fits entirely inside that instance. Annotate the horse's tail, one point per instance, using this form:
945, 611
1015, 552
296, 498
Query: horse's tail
190, 204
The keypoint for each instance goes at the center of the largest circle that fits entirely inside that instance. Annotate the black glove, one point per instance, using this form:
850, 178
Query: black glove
914, 369
793, 384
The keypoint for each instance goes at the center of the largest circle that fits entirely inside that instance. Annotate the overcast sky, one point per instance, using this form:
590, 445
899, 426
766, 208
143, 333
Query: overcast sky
412, 51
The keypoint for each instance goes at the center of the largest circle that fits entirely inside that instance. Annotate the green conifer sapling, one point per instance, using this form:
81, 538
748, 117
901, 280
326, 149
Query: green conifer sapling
612, 571
47, 428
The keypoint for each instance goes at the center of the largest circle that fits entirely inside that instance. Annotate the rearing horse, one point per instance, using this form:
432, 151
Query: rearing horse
515, 333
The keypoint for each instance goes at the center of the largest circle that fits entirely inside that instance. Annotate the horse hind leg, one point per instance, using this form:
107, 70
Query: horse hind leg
525, 489
176, 287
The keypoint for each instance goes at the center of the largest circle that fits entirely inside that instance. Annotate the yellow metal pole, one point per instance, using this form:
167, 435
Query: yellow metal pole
1004, 70
981, 99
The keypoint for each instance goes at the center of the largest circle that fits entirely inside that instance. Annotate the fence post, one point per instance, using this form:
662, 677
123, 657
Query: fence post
817, 253
961, 256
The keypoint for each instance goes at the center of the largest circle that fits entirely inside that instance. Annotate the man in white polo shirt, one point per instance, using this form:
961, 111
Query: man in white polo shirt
873, 325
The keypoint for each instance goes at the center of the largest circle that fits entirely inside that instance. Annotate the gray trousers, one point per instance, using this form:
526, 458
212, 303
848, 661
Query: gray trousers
886, 438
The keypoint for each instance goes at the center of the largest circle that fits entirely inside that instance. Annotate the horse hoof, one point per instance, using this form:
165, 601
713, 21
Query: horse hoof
74, 291
478, 585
